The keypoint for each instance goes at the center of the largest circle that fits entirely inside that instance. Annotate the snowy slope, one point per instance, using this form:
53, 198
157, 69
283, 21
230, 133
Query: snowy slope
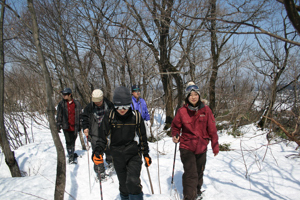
258, 172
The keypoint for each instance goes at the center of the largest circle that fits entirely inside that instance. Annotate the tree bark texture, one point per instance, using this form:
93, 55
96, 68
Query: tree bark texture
9, 155
61, 160
293, 14
215, 56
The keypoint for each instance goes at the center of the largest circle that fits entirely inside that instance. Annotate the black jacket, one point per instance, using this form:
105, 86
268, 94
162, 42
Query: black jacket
122, 131
62, 115
89, 120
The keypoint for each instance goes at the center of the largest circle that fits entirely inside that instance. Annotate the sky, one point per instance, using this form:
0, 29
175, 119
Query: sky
252, 170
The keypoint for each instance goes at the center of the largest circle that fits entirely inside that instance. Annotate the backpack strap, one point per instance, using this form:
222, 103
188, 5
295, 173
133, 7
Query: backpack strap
137, 118
111, 116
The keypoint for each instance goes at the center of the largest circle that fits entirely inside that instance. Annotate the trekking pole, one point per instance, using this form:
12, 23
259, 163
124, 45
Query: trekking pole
172, 181
88, 149
100, 182
150, 180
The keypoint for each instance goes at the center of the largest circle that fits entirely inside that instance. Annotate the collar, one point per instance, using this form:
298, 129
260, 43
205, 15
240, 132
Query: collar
70, 102
136, 100
192, 108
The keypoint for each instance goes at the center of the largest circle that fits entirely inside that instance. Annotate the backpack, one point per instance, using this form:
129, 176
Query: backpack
138, 117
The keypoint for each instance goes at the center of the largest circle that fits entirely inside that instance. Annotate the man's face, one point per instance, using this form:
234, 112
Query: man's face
136, 94
67, 97
98, 103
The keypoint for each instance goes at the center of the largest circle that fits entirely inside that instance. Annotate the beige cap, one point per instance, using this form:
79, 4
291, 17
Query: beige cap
97, 95
190, 83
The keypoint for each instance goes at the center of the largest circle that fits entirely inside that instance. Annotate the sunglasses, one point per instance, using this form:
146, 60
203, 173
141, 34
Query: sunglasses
122, 107
192, 87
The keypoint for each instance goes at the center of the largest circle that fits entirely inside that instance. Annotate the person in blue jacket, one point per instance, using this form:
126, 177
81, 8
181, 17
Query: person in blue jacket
139, 103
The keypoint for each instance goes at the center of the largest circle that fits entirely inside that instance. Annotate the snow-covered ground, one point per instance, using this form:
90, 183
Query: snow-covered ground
252, 170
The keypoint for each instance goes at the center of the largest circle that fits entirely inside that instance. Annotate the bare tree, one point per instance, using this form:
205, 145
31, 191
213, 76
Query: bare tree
97, 31
61, 161
9, 155
273, 63
292, 12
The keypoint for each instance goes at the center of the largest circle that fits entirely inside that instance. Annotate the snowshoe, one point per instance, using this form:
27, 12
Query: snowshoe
73, 158
104, 177
109, 168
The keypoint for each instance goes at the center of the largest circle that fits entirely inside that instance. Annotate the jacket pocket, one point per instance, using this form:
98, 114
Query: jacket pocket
189, 142
202, 118
202, 145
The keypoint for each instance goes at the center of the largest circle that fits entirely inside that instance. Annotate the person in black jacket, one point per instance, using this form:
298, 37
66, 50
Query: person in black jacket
120, 124
68, 119
91, 120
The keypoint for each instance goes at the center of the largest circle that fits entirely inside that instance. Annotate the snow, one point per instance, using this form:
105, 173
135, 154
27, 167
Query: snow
252, 170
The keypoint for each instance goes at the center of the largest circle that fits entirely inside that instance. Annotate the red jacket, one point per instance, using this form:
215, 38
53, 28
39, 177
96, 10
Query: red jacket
71, 115
197, 127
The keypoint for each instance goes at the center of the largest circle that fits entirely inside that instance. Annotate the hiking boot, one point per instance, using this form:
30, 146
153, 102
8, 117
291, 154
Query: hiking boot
71, 158
110, 167
103, 176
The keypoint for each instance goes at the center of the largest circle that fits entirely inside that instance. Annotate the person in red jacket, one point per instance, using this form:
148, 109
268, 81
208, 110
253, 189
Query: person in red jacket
68, 119
196, 123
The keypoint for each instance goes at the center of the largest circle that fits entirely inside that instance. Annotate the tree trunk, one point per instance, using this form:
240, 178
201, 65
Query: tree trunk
293, 14
65, 55
164, 62
9, 155
61, 160
103, 64
82, 140
214, 53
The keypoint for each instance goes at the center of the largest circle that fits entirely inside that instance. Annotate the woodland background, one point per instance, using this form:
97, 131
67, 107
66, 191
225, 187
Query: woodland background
237, 51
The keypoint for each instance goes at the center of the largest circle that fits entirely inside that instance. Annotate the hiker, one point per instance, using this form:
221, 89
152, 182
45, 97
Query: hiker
139, 103
197, 125
123, 124
92, 117
68, 119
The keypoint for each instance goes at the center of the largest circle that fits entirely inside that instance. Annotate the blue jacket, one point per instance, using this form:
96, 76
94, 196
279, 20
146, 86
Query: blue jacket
141, 106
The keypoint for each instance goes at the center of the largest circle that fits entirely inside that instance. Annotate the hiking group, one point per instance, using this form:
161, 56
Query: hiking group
118, 130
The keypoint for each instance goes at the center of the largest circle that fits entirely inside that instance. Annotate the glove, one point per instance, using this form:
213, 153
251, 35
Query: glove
97, 158
148, 160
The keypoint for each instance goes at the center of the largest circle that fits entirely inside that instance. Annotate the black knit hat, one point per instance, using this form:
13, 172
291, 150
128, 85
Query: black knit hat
122, 96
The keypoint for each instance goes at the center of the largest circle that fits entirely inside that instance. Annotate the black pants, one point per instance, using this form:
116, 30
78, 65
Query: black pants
192, 178
128, 169
70, 137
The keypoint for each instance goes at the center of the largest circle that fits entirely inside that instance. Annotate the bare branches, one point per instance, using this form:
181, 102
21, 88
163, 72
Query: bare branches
292, 11
294, 136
